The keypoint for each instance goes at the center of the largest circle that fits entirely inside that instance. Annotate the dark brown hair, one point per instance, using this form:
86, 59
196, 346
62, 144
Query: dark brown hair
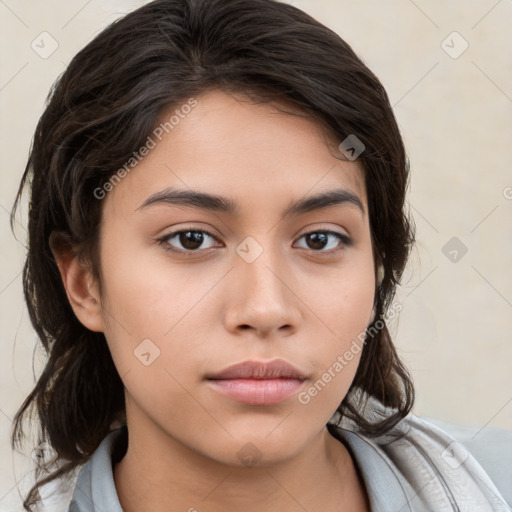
102, 109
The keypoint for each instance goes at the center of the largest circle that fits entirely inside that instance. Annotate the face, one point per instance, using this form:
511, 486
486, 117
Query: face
256, 281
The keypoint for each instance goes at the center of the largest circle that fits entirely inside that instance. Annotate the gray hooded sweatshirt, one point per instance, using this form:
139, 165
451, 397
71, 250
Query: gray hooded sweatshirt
415, 467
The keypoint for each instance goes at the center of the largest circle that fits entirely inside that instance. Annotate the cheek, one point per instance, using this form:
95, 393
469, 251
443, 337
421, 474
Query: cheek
143, 295
344, 299
153, 314
344, 313
335, 364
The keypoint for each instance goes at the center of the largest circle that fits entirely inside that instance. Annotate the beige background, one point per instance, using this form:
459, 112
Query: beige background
456, 119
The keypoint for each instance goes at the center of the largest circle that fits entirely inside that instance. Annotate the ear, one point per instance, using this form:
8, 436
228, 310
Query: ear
380, 274
81, 289
372, 318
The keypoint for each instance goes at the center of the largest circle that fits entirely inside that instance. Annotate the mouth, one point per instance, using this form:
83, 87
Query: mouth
258, 383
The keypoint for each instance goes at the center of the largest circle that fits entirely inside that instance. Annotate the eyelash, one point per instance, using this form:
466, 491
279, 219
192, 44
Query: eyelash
164, 240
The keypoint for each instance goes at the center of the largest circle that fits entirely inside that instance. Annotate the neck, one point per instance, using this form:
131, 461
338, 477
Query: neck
158, 473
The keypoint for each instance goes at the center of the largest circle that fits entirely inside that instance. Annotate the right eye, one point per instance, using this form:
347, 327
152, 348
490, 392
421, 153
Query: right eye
190, 239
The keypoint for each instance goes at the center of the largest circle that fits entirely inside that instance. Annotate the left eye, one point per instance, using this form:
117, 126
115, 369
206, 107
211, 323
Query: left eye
329, 240
192, 239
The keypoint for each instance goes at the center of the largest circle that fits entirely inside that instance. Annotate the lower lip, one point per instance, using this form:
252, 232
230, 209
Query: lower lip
257, 391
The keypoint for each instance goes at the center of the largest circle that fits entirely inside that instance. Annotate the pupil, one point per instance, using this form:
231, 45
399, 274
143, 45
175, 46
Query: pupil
319, 240
191, 239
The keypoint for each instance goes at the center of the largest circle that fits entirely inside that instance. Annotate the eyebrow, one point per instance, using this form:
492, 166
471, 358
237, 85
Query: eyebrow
176, 197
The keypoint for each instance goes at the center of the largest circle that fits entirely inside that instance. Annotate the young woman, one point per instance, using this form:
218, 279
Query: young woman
216, 231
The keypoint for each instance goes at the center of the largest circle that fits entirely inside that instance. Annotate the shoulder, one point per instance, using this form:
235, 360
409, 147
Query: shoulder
417, 466
88, 485
56, 495
420, 466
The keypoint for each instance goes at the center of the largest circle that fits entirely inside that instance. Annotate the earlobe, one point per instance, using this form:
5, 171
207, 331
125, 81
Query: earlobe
380, 274
81, 289
372, 318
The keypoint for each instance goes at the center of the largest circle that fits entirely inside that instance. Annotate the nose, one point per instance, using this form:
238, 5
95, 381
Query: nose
263, 297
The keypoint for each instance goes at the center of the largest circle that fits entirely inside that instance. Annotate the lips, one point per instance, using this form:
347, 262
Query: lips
276, 369
258, 383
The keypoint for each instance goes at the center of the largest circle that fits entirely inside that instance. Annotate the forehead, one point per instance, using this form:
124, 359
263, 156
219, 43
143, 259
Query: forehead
229, 145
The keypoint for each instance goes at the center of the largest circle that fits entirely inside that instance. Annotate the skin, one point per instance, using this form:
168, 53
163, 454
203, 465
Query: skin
295, 301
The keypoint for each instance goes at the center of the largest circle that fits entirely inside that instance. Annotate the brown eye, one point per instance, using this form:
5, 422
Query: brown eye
191, 240
318, 241
186, 240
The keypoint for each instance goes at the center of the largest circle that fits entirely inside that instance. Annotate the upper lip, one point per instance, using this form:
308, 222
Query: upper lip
275, 369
